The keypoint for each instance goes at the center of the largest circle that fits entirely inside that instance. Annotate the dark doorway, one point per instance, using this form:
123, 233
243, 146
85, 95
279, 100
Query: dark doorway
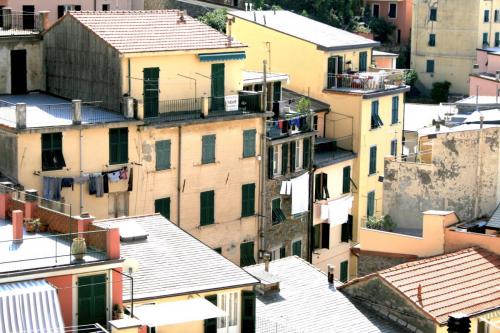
28, 17
376, 10
18, 72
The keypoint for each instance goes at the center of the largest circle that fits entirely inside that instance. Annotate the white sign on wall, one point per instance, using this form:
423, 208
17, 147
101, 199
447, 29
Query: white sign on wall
231, 102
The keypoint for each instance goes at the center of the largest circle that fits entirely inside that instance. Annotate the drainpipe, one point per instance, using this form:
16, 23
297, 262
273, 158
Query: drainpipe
129, 79
179, 156
262, 173
478, 168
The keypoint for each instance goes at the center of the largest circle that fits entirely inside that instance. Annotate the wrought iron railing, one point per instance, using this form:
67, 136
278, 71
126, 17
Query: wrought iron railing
365, 81
20, 22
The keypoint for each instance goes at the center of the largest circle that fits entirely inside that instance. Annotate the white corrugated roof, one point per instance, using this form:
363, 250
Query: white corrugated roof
323, 35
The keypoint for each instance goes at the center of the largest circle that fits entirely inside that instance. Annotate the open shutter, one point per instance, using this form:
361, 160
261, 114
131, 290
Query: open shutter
344, 236
317, 187
270, 162
211, 324
344, 273
284, 158
326, 193
248, 312
349, 226
317, 236
331, 72
340, 65
346, 179
292, 156
325, 235
306, 153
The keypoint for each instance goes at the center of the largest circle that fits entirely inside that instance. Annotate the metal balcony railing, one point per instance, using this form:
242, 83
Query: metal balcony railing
15, 23
365, 82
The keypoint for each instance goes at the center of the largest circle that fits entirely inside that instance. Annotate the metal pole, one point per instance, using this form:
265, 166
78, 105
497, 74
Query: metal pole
264, 85
131, 296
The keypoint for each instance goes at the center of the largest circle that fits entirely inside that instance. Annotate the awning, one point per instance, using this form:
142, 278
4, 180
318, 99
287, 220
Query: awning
170, 313
30, 306
222, 56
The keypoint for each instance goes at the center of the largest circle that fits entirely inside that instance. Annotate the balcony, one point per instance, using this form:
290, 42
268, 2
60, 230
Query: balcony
16, 23
365, 82
330, 151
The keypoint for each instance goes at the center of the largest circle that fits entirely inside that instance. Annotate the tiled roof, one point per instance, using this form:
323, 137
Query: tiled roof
307, 303
466, 281
152, 31
173, 262
494, 221
323, 35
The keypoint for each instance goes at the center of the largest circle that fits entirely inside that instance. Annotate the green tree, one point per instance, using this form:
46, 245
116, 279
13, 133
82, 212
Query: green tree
440, 91
382, 29
216, 19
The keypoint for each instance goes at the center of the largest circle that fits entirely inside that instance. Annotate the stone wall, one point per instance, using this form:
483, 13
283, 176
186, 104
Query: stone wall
463, 177
368, 263
8, 153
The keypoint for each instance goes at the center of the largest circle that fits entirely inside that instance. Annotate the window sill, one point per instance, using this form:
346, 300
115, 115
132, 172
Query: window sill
203, 164
396, 123
206, 225
58, 169
375, 128
164, 170
247, 157
372, 174
247, 216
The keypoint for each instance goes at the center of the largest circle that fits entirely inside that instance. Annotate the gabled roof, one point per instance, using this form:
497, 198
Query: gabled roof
466, 281
323, 35
151, 31
307, 303
172, 262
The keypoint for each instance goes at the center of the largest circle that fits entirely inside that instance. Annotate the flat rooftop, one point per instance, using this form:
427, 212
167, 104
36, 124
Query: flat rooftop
37, 250
43, 110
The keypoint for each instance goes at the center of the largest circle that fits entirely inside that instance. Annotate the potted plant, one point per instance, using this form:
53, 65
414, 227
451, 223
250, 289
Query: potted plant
41, 226
117, 311
78, 248
30, 225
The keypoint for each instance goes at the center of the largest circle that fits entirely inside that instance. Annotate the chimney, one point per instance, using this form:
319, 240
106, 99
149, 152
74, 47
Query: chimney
264, 17
17, 225
181, 19
267, 259
76, 105
330, 274
246, 6
44, 20
250, 5
481, 121
31, 203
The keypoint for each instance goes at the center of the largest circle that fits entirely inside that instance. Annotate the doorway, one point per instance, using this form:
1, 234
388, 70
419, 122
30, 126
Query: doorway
18, 72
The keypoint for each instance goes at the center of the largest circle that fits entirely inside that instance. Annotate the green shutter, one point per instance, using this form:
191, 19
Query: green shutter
340, 65
248, 312
151, 91
277, 91
344, 236
218, 78
247, 254
247, 200
92, 307
346, 179
162, 206
270, 163
373, 160
249, 143
430, 66
363, 61
331, 72
306, 153
325, 235
118, 145
211, 324
163, 154
292, 156
317, 236
277, 213
370, 205
297, 248
395, 109
208, 149
344, 273
394, 147
284, 158
207, 207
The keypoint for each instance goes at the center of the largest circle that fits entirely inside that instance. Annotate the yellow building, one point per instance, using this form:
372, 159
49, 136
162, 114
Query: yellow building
169, 110
331, 65
180, 284
445, 36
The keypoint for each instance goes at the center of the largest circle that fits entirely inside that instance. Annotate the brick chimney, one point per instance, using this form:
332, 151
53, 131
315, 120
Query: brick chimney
31, 203
113, 243
267, 259
17, 225
330, 274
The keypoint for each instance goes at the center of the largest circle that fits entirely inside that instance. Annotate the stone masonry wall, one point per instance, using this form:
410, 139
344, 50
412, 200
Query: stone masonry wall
368, 264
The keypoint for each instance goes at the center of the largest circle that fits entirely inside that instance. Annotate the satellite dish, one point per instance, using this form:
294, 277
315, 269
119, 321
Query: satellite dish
130, 265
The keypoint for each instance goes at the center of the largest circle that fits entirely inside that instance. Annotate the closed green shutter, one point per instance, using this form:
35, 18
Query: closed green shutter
317, 236
363, 61
270, 163
249, 143
297, 248
208, 149
373, 160
162, 206
277, 91
395, 109
433, 14
306, 153
163, 154
292, 156
247, 200
346, 179
344, 272
325, 235
92, 306
118, 145
218, 78
151, 91
282, 252
344, 236
211, 324
340, 65
370, 205
248, 312
331, 72
207, 207
247, 254
497, 34
430, 66
284, 158
394, 147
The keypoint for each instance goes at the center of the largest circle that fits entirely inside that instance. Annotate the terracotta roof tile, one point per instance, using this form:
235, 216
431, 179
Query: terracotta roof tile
465, 281
152, 31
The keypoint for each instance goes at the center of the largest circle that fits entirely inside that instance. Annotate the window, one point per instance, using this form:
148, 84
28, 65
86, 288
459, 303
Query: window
321, 236
497, 39
376, 122
394, 147
62, 9
432, 40
346, 179
277, 252
363, 61
430, 66
162, 206
315, 123
486, 16
482, 326
208, 149
118, 145
277, 214
485, 39
249, 143
373, 160
246, 254
162, 155
297, 248
247, 311
306, 153
376, 10
247, 200
346, 232
207, 208
497, 15
393, 8
298, 156
370, 204
321, 186
395, 110
105, 7
335, 66
344, 271
284, 159
211, 324
433, 14
230, 305
52, 155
